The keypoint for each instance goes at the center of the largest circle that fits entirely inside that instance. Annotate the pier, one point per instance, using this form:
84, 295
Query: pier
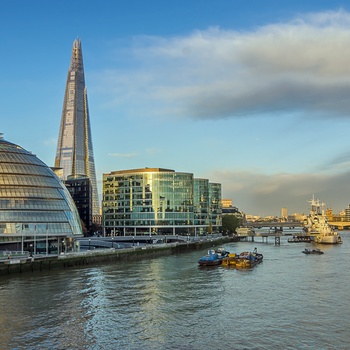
270, 229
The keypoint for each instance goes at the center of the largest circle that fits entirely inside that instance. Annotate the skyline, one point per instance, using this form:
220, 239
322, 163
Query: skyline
253, 96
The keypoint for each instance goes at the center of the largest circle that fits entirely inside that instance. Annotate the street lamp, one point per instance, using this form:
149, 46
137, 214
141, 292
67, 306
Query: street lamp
133, 240
31, 249
89, 243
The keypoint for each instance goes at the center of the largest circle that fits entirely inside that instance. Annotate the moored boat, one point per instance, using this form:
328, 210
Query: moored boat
247, 259
211, 259
245, 231
313, 251
230, 260
316, 225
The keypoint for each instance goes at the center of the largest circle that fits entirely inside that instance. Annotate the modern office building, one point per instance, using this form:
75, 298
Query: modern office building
159, 201
37, 213
74, 148
81, 191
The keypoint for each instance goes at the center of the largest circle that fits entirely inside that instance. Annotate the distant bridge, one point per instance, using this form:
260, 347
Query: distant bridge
340, 225
289, 224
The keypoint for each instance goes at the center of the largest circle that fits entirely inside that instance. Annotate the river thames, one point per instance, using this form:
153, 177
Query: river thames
289, 301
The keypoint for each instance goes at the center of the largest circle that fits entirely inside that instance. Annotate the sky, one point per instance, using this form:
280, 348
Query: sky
251, 94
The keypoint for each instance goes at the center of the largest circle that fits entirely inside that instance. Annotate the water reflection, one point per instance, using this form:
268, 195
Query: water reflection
288, 301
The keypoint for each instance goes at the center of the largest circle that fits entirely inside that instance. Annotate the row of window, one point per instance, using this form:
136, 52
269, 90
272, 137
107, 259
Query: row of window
26, 169
24, 158
36, 229
148, 216
131, 223
31, 204
27, 180
33, 216
30, 192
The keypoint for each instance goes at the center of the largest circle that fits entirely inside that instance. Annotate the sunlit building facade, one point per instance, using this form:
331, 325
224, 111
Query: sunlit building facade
201, 203
159, 201
215, 205
36, 208
74, 148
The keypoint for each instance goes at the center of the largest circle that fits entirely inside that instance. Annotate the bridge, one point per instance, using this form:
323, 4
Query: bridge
281, 224
340, 225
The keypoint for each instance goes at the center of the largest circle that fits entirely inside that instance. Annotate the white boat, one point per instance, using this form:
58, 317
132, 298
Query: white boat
316, 225
245, 231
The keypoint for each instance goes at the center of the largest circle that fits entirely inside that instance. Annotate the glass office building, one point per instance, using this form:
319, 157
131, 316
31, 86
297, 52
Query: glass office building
155, 200
36, 208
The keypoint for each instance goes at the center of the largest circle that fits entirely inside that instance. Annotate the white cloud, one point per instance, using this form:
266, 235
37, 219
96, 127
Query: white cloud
269, 193
300, 66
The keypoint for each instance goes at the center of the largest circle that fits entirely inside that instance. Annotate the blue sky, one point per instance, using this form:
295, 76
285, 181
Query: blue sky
251, 94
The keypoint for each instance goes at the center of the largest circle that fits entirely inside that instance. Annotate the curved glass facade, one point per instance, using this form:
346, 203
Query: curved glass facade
33, 201
154, 200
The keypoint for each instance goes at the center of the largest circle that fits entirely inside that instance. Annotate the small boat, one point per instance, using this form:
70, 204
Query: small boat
245, 231
313, 251
247, 259
211, 259
222, 252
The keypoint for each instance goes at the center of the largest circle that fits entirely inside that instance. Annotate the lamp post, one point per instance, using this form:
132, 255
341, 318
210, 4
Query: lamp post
133, 240
89, 243
31, 249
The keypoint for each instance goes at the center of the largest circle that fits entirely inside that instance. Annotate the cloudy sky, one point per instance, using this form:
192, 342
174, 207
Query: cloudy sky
252, 94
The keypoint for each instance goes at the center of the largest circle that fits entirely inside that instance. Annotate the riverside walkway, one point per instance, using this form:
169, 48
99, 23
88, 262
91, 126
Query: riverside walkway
14, 263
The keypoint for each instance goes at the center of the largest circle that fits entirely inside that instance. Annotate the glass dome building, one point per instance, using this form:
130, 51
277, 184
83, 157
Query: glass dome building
37, 213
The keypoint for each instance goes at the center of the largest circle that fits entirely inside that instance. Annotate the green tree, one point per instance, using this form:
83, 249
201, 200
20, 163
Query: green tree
230, 223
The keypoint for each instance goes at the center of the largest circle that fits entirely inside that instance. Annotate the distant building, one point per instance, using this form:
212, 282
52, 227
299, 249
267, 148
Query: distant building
162, 201
284, 213
74, 148
226, 203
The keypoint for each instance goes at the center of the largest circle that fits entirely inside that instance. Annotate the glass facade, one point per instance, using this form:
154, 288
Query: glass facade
74, 148
154, 200
33, 201
201, 200
215, 204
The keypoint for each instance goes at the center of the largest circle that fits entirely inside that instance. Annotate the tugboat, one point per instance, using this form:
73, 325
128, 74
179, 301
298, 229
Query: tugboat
211, 259
316, 224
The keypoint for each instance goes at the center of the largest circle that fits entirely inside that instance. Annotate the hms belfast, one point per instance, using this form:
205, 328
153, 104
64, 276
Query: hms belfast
74, 148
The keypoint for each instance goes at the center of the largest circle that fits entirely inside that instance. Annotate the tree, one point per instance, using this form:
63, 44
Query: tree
230, 223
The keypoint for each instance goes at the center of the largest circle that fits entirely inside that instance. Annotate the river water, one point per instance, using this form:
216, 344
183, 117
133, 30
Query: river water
289, 301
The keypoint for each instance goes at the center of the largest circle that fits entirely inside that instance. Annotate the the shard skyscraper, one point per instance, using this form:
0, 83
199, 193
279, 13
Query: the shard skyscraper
74, 147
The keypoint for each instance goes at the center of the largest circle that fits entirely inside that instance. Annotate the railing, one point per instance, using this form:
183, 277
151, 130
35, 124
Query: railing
8, 254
